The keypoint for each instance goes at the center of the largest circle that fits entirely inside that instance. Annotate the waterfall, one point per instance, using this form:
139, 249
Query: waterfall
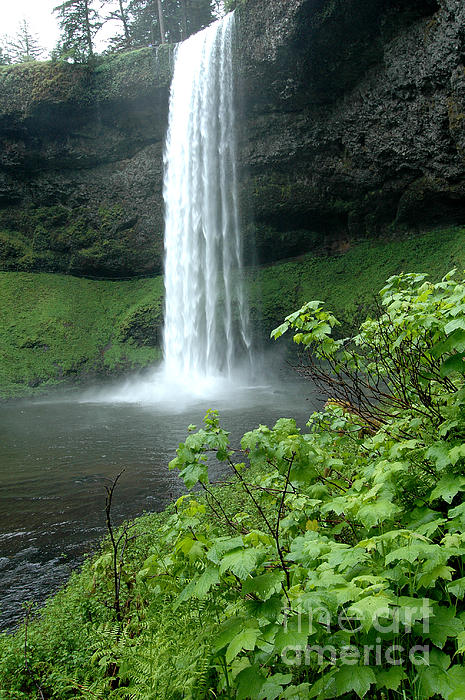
206, 316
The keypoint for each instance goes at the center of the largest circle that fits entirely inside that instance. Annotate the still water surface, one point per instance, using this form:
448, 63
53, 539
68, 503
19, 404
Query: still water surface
56, 455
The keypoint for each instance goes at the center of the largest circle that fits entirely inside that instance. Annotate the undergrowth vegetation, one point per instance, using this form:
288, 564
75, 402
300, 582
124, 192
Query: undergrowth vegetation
24, 86
347, 281
329, 564
56, 328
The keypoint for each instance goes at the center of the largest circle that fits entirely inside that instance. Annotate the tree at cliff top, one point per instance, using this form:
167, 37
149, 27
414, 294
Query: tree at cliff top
230, 5
181, 18
119, 13
5, 59
79, 23
24, 46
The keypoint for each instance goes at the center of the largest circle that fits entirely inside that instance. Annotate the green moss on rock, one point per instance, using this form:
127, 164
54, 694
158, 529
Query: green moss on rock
348, 282
24, 87
55, 328
57, 239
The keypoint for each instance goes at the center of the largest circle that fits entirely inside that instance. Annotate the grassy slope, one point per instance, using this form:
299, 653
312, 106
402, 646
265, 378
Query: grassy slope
55, 327
348, 282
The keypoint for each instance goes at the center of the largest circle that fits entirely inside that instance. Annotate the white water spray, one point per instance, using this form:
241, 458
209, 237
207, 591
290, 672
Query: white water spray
206, 319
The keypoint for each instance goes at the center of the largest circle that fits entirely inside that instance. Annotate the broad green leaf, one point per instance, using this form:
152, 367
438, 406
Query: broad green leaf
455, 342
228, 630
209, 578
284, 427
369, 610
410, 553
375, 513
410, 610
456, 677
461, 642
279, 331
273, 686
264, 586
270, 609
457, 588
457, 453
240, 561
193, 474
448, 487
344, 557
433, 680
222, 545
455, 363
245, 640
429, 578
457, 323
239, 665
390, 679
249, 683
294, 633
308, 548
325, 687
355, 679
439, 454
442, 625
297, 692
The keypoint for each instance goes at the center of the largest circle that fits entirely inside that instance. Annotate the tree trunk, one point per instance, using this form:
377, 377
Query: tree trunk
161, 22
125, 23
88, 31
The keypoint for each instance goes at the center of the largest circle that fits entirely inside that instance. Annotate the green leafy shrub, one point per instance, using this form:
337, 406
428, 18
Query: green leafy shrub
329, 564
356, 564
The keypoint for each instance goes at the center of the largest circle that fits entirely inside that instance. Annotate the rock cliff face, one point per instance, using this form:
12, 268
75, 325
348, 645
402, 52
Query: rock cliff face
354, 123
354, 118
81, 165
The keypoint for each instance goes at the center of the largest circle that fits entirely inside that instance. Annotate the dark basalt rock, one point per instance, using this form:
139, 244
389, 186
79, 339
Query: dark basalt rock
353, 124
354, 117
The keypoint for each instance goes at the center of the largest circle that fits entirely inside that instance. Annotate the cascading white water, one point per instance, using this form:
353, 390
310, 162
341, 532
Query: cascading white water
206, 317
206, 343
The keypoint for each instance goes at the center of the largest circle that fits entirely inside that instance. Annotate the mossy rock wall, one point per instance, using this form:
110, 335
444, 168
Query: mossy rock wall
56, 328
81, 165
351, 124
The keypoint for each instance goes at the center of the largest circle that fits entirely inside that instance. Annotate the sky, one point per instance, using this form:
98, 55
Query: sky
39, 14
41, 19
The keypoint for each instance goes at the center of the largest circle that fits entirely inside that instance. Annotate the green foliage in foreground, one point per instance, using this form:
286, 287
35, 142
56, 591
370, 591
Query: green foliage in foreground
329, 565
55, 328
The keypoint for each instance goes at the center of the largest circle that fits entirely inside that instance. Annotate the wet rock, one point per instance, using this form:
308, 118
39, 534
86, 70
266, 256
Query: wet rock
353, 123
355, 117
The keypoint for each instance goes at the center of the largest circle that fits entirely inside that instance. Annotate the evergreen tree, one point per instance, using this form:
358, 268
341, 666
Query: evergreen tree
5, 59
119, 13
181, 18
79, 23
199, 14
161, 21
25, 45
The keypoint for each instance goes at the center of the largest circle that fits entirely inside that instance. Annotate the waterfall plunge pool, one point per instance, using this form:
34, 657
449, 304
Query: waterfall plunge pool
56, 455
